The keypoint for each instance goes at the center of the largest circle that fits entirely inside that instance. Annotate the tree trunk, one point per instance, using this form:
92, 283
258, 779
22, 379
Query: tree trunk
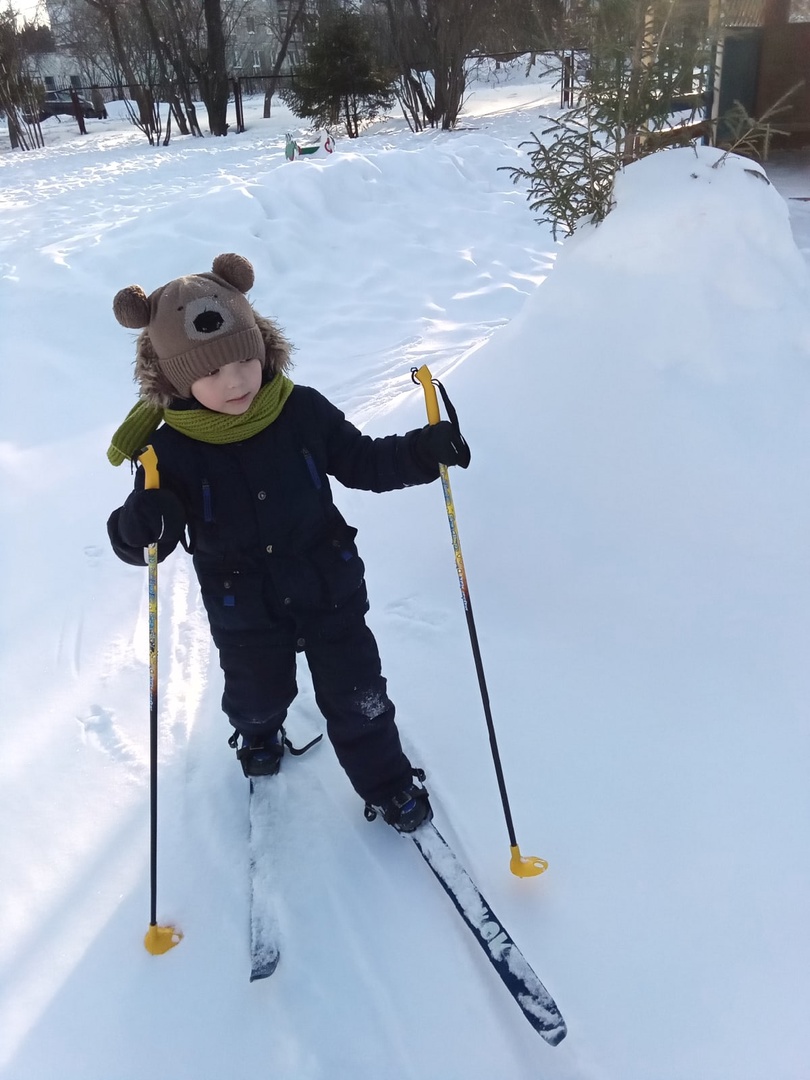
214, 85
270, 87
448, 28
418, 102
184, 67
14, 132
160, 53
111, 15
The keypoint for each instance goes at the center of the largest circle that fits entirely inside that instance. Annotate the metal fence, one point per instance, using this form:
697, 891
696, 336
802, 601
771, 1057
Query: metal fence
246, 85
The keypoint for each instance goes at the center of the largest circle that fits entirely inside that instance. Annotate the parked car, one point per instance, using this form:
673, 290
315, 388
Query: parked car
60, 103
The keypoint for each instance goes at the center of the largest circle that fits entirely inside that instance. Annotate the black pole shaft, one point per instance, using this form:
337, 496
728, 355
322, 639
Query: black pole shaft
153, 726
153, 749
149, 463
493, 742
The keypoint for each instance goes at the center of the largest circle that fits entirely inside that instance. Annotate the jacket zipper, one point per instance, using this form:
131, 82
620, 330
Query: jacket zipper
313, 471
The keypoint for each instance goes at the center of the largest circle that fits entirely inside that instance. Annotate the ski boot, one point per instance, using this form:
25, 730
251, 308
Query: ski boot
260, 753
406, 810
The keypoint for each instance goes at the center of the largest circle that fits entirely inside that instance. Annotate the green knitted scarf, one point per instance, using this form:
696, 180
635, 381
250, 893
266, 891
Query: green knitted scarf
201, 424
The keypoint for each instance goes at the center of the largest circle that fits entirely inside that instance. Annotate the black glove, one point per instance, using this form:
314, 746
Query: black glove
151, 516
442, 444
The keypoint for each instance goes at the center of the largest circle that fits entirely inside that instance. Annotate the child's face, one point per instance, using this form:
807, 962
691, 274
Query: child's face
231, 388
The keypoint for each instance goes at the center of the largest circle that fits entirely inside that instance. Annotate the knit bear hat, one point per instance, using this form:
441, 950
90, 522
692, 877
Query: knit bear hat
194, 325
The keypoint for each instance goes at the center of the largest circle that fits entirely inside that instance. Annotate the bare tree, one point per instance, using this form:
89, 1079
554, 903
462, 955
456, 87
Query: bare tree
288, 20
516, 27
163, 58
19, 99
435, 36
159, 49
184, 32
82, 35
199, 34
399, 35
213, 71
111, 12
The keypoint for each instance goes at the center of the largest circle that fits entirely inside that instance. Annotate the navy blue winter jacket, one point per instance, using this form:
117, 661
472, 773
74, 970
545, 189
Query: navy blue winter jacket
260, 515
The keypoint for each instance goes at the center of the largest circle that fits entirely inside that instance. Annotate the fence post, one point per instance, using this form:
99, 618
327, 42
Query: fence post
567, 97
237, 100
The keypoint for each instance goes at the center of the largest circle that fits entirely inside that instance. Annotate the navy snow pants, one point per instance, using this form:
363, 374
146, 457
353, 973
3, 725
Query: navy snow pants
259, 665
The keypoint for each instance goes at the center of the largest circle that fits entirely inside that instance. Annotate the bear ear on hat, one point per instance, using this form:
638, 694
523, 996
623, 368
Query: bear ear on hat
131, 307
236, 270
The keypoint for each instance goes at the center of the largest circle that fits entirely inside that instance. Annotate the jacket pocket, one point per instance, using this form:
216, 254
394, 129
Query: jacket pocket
235, 604
339, 565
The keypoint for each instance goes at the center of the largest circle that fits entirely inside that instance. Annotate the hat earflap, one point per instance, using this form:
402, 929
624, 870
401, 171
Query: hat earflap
131, 307
150, 379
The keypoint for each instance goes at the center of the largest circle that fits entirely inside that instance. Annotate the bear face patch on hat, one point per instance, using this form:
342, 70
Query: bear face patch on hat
198, 323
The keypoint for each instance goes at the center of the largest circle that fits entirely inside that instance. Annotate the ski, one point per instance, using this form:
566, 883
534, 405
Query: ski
537, 1004
514, 970
264, 931
265, 793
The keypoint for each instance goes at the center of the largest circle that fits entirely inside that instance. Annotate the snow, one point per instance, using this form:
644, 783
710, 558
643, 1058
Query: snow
635, 526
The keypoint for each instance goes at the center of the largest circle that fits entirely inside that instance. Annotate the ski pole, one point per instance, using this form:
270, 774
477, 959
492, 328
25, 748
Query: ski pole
158, 939
520, 865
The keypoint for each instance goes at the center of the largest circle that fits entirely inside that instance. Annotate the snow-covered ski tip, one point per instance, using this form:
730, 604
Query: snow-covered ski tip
537, 1004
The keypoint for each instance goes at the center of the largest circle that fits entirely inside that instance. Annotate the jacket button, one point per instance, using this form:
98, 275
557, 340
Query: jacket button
226, 584
262, 494
287, 600
269, 549
300, 643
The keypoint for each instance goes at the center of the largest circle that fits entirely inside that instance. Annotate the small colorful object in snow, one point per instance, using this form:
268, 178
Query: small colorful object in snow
293, 150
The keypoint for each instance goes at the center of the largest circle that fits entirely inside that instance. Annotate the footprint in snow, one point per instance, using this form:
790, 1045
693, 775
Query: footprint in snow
410, 611
100, 731
93, 553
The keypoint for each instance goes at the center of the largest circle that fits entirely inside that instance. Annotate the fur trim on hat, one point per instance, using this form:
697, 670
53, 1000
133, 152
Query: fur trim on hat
155, 387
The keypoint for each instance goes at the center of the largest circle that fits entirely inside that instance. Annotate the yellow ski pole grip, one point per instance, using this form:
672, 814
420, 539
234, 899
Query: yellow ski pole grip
423, 376
148, 458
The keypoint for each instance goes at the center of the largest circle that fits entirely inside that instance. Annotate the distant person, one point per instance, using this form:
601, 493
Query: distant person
78, 112
244, 460
99, 104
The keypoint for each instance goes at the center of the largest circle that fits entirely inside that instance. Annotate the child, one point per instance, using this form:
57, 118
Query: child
244, 458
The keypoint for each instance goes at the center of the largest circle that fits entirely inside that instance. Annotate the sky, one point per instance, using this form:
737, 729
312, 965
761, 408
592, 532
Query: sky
29, 10
635, 526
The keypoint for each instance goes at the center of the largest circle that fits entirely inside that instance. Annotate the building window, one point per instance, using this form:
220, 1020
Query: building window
250, 22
